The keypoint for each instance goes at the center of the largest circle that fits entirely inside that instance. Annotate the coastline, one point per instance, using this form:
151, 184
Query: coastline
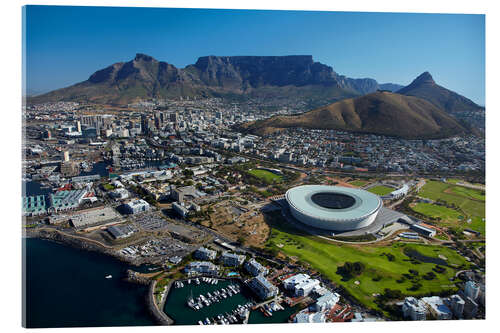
55, 236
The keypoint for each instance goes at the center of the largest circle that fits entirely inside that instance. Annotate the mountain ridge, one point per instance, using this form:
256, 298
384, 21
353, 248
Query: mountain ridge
145, 77
382, 113
424, 86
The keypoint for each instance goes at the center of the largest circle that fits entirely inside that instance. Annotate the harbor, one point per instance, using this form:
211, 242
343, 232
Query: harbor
216, 301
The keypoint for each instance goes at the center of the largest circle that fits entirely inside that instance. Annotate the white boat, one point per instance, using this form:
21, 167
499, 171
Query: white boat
109, 276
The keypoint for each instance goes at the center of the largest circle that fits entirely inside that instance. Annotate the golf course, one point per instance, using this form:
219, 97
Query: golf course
463, 203
385, 266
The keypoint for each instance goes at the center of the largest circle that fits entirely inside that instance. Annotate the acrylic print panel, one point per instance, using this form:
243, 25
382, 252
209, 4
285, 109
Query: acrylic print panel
212, 167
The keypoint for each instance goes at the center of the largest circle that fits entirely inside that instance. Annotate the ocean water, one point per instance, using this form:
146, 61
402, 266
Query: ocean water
66, 287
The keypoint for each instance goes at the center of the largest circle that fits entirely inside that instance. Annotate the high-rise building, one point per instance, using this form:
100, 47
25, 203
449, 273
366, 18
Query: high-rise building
457, 305
414, 309
472, 290
78, 126
66, 156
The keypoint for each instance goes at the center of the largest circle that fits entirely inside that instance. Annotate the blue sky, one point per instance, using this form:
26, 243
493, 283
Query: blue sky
65, 45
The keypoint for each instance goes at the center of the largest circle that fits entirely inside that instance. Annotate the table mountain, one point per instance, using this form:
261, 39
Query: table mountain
144, 77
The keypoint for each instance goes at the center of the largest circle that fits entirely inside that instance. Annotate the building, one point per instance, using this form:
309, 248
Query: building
470, 308
65, 200
186, 193
94, 216
262, 287
437, 308
120, 231
301, 284
136, 206
66, 156
309, 317
292, 281
427, 232
180, 209
232, 259
85, 179
333, 207
34, 205
201, 267
326, 302
399, 193
255, 268
119, 194
457, 306
306, 287
69, 168
414, 309
203, 253
471, 290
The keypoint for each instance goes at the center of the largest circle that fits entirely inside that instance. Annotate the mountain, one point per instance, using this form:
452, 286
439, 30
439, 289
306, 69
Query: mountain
295, 76
390, 86
425, 87
382, 113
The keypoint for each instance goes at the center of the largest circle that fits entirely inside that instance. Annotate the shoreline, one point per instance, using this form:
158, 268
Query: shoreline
159, 316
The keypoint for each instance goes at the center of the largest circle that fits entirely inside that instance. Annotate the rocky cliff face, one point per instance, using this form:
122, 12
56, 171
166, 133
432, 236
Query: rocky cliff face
425, 87
146, 77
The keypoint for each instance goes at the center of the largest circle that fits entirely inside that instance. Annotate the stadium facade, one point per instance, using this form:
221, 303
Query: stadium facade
333, 208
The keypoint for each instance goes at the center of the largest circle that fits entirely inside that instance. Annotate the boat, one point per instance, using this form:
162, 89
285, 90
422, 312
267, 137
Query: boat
109, 276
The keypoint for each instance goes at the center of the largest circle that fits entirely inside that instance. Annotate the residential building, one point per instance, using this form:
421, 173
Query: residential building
414, 309
255, 268
232, 259
437, 308
326, 302
262, 287
202, 267
203, 253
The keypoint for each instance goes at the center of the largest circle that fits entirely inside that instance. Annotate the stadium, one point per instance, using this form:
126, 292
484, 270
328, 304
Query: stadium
333, 208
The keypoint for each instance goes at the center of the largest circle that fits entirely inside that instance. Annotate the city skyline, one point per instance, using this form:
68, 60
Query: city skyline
454, 56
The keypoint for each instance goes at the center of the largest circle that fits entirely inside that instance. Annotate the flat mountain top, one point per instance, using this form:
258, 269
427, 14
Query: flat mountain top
144, 77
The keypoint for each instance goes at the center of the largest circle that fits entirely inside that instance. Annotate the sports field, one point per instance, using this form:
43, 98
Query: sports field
359, 183
381, 190
265, 175
436, 211
470, 201
380, 272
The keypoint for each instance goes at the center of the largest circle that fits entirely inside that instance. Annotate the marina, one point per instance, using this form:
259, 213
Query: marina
215, 301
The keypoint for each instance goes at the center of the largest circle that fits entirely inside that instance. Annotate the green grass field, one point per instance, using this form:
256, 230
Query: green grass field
265, 175
359, 183
326, 257
446, 214
381, 190
470, 201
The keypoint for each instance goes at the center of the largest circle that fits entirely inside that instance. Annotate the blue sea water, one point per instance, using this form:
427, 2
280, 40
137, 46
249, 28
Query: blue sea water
66, 287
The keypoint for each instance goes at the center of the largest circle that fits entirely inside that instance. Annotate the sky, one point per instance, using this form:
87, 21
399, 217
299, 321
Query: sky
64, 45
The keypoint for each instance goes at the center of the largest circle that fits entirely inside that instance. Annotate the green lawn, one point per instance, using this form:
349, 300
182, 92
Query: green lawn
359, 183
470, 201
265, 175
432, 210
469, 192
326, 257
108, 187
381, 190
